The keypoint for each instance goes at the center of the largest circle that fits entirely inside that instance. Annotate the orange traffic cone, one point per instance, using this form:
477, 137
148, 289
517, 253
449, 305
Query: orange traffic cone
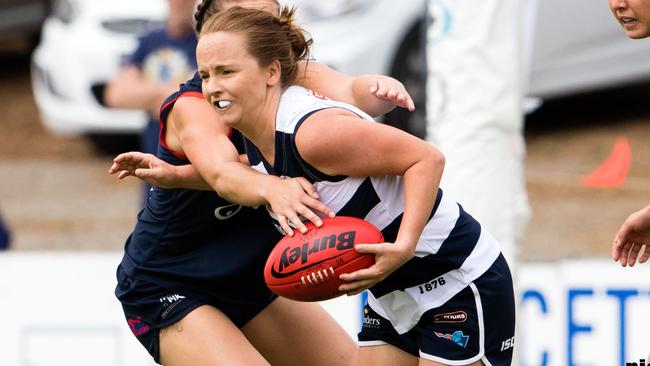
613, 171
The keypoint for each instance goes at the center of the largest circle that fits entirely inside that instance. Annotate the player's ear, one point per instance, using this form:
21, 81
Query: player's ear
274, 72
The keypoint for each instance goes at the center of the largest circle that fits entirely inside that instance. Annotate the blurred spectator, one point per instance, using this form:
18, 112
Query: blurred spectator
633, 15
474, 112
164, 58
4, 236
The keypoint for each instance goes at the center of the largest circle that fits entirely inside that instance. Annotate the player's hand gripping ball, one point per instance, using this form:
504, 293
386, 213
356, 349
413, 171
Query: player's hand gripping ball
306, 267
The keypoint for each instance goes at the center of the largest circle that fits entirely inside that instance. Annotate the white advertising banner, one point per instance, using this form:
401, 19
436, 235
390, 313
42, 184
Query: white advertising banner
583, 312
59, 310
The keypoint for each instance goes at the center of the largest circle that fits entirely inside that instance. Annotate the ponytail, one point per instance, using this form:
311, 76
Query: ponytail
300, 45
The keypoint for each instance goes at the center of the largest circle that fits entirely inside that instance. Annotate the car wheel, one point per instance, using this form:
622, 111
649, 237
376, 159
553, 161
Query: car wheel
410, 67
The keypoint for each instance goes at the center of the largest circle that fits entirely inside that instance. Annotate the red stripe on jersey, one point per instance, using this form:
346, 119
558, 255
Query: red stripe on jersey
191, 94
161, 137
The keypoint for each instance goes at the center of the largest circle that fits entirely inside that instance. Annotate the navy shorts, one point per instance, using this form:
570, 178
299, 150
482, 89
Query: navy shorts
476, 324
148, 308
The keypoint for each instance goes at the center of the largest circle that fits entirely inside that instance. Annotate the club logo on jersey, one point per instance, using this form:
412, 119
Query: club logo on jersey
454, 317
138, 326
166, 65
226, 212
457, 337
318, 95
291, 255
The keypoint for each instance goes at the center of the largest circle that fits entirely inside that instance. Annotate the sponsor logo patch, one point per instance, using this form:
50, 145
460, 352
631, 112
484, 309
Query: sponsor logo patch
457, 337
169, 302
370, 322
453, 317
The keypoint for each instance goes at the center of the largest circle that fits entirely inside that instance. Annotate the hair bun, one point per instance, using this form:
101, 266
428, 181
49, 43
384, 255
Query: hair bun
300, 45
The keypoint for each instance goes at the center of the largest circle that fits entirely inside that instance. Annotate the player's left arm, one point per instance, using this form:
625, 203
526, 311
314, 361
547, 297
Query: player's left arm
337, 142
373, 94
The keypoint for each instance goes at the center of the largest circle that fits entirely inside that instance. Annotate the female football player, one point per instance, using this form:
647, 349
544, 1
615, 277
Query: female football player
191, 281
440, 290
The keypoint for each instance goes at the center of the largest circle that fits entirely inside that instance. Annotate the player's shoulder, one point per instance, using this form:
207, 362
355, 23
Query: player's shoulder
295, 103
194, 84
190, 88
297, 93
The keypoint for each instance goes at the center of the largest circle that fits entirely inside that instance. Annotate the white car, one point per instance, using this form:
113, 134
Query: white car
574, 46
83, 44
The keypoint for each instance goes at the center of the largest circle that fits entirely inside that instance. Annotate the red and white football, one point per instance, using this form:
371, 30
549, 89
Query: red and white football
306, 267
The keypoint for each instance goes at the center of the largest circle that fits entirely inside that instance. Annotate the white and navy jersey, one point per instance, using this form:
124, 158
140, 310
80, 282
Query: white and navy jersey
452, 251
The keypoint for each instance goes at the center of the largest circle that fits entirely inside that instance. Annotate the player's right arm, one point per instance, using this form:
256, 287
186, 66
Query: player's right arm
195, 130
419, 164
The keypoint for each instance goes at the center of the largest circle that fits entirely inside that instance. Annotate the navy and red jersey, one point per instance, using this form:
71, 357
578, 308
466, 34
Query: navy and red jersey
195, 242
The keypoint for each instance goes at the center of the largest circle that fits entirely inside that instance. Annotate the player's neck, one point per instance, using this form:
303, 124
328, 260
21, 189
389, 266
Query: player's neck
260, 127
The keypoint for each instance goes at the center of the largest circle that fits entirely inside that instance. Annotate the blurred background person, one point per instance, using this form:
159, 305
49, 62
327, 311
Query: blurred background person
475, 113
633, 15
164, 58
